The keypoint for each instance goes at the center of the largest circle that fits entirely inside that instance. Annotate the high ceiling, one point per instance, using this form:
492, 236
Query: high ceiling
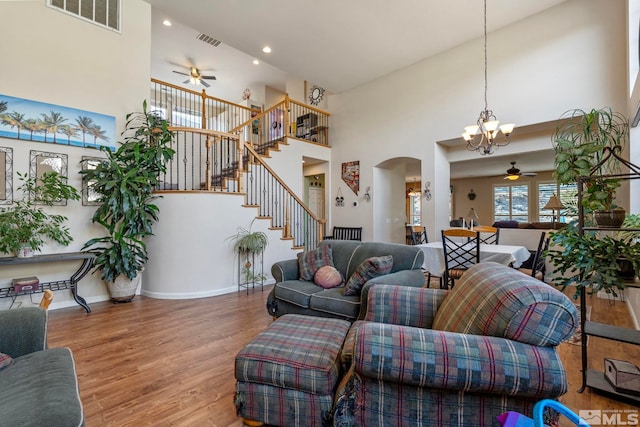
340, 44
336, 44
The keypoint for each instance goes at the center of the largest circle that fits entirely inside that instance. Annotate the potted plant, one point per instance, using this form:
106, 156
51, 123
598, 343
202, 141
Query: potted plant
629, 260
594, 261
248, 244
26, 226
125, 181
583, 143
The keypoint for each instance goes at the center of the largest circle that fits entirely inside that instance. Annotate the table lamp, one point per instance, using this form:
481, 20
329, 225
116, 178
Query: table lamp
472, 215
554, 204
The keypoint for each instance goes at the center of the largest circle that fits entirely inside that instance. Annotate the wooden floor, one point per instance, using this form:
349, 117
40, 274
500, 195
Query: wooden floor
170, 362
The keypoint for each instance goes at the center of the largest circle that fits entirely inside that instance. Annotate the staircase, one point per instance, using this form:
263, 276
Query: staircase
213, 161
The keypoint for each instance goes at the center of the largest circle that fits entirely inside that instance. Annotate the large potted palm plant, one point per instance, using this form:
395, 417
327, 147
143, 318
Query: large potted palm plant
125, 181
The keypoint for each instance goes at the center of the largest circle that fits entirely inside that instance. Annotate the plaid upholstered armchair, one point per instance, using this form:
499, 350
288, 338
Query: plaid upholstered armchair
456, 357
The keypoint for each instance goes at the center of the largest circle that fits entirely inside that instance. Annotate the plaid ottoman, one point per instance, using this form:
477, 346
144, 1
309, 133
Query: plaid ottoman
287, 375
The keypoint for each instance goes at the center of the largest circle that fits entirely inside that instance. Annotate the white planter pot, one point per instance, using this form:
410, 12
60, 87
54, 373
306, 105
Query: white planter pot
24, 252
123, 289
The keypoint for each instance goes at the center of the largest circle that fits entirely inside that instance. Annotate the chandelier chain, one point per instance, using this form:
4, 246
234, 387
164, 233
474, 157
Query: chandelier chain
486, 104
488, 133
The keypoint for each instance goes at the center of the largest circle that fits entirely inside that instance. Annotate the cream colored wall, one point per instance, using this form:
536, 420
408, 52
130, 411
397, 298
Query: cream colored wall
483, 188
53, 57
532, 79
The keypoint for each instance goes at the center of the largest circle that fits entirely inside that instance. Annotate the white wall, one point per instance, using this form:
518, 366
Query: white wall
190, 255
56, 58
570, 56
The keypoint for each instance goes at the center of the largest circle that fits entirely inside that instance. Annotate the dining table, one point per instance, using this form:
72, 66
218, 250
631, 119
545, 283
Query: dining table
512, 255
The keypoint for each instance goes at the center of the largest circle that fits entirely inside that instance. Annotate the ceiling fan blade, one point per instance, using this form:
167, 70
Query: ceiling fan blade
180, 72
187, 81
208, 77
205, 84
529, 174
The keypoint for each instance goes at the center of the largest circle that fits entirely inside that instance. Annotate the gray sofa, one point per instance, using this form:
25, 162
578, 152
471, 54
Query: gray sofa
39, 388
290, 295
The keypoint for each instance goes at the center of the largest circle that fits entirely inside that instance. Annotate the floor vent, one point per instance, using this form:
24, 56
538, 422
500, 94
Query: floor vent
208, 39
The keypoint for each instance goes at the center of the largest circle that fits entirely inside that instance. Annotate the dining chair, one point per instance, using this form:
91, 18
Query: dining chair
416, 234
461, 250
537, 267
488, 235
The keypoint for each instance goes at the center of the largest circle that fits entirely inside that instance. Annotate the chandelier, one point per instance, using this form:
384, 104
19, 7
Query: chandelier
486, 134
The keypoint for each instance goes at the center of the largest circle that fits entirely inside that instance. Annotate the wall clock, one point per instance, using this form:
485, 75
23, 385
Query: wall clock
315, 95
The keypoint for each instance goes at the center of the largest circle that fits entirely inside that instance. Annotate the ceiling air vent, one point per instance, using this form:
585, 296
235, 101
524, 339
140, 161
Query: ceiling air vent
208, 39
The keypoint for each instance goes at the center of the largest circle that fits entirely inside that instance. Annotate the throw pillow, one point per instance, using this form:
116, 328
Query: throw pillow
5, 361
368, 269
310, 261
327, 277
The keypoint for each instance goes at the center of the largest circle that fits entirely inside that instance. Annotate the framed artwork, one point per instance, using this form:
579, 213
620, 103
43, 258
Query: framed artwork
6, 175
255, 110
41, 122
43, 161
351, 175
89, 196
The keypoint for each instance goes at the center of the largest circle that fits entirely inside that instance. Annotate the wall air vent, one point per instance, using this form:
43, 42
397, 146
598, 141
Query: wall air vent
208, 39
105, 13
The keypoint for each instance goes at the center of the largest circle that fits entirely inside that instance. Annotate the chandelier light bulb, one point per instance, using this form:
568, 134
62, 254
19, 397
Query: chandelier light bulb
508, 128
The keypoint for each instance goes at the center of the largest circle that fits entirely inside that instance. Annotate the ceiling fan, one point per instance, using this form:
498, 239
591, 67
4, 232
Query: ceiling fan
195, 77
513, 173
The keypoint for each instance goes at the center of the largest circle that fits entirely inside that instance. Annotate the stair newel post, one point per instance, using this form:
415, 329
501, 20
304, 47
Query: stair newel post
287, 119
241, 174
203, 109
210, 142
287, 217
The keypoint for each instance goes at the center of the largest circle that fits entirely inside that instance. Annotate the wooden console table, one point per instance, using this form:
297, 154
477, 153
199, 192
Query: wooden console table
71, 283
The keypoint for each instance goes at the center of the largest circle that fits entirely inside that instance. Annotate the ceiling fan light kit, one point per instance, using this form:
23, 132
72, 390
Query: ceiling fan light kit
513, 173
195, 77
485, 135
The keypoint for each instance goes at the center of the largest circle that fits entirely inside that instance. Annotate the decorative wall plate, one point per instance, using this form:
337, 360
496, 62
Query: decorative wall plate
315, 95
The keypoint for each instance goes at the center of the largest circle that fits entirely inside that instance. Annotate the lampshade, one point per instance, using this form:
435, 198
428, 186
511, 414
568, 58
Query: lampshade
554, 203
472, 214
512, 177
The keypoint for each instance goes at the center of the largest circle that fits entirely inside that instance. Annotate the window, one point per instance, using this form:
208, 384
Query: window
105, 13
568, 195
511, 203
188, 119
414, 209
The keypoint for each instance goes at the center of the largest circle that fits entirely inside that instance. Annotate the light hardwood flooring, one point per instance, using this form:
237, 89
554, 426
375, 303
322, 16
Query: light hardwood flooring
157, 362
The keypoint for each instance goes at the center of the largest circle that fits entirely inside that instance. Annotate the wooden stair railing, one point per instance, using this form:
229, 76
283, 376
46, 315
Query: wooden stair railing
214, 161
275, 200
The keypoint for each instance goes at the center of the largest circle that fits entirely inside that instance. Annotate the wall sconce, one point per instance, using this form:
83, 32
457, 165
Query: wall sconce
339, 199
427, 190
471, 195
367, 196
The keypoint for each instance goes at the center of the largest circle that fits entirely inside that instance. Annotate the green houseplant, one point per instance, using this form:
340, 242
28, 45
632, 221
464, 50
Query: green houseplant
248, 244
124, 182
593, 261
582, 143
26, 226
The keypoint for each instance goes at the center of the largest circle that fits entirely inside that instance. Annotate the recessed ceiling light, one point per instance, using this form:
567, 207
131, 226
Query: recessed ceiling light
166, 23
256, 62
266, 49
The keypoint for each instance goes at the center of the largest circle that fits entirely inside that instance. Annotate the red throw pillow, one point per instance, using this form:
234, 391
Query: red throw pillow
327, 277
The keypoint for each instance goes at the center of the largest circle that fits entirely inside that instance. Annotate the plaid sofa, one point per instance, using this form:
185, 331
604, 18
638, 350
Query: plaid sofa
456, 357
